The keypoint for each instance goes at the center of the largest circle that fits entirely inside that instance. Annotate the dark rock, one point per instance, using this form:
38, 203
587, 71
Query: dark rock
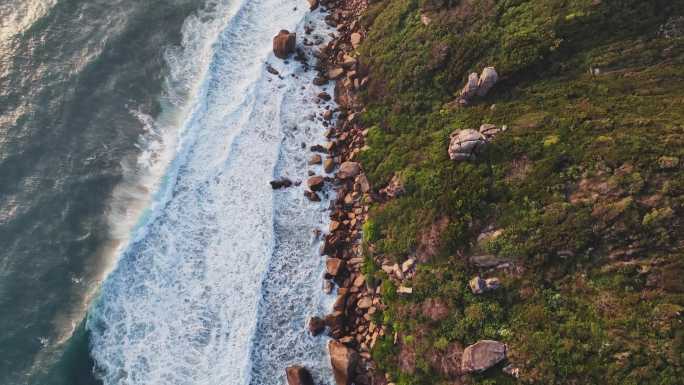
312, 196
316, 183
281, 183
272, 70
320, 81
298, 375
324, 96
316, 326
334, 266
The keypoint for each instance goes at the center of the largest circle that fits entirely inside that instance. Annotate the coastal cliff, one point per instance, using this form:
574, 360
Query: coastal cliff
510, 190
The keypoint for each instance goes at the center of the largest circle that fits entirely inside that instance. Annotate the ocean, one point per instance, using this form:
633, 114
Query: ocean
140, 240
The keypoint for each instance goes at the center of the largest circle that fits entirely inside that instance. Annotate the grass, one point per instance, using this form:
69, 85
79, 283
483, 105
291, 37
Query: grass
581, 185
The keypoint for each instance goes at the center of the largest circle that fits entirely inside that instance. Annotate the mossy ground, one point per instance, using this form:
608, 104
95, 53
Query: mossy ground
584, 184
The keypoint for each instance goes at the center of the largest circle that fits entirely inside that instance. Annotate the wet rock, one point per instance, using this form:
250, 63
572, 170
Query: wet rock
313, 4
327, 115
482, 355
284, 43
315, 159
318, 148
271, 70
320, 81
343, 361
328, 165
334, 266
349, 170
324, 96
466, 144
280, 183
316, 183
298, 375
312, 196
316, 326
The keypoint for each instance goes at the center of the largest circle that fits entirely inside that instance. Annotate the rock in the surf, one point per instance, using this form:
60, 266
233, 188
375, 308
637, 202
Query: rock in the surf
284, 43
281, 183
343, 360
313, 4
316, 183
298, 375
312, 196
316, 326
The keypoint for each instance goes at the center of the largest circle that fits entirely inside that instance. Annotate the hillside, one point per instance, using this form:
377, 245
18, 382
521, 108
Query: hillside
576, 207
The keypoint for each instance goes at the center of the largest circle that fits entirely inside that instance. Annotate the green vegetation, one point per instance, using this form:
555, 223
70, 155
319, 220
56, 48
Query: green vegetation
587, 186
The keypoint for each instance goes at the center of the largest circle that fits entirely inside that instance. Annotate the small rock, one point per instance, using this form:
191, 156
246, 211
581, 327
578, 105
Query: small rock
298, 375
324, 96
478, 285
335, 73
327, 115
355, 39
312, 196
512, 371
315, 159
320, 81
482, 355
404, 290
364, 303
313, 4
316, 183
272, 70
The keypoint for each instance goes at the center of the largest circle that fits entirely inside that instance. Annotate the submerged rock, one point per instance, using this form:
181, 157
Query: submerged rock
280, 183
482, 355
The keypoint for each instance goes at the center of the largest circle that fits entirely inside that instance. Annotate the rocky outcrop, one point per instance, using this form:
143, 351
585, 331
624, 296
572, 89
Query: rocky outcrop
343, 361
298, 375
284, 43
482, 355
466, 144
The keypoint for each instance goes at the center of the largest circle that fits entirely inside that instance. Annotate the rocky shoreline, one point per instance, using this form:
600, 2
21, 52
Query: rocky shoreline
350, 323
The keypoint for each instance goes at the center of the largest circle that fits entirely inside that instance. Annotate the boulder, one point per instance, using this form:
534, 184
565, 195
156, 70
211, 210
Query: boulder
316, 183
316, 326
482, 355
364, 303
284, 43
466, 144
280, 183
487, 79
349, 170
320, 81
327, 114
324, 96
343, 361
334, 266
298, 375
313, 4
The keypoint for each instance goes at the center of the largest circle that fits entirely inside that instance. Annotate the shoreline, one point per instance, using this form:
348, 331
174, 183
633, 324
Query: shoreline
350, 321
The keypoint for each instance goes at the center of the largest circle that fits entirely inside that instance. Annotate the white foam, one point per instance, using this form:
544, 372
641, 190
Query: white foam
181, 306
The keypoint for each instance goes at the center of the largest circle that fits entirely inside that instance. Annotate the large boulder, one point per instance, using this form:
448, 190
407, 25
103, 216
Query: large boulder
335, 266
343, 360
284, 43
482, 355
470, 89
298, 375
466, 144
479, 285
488, 78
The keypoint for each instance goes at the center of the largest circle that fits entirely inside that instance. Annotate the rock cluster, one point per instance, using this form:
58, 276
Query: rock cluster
478, 86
